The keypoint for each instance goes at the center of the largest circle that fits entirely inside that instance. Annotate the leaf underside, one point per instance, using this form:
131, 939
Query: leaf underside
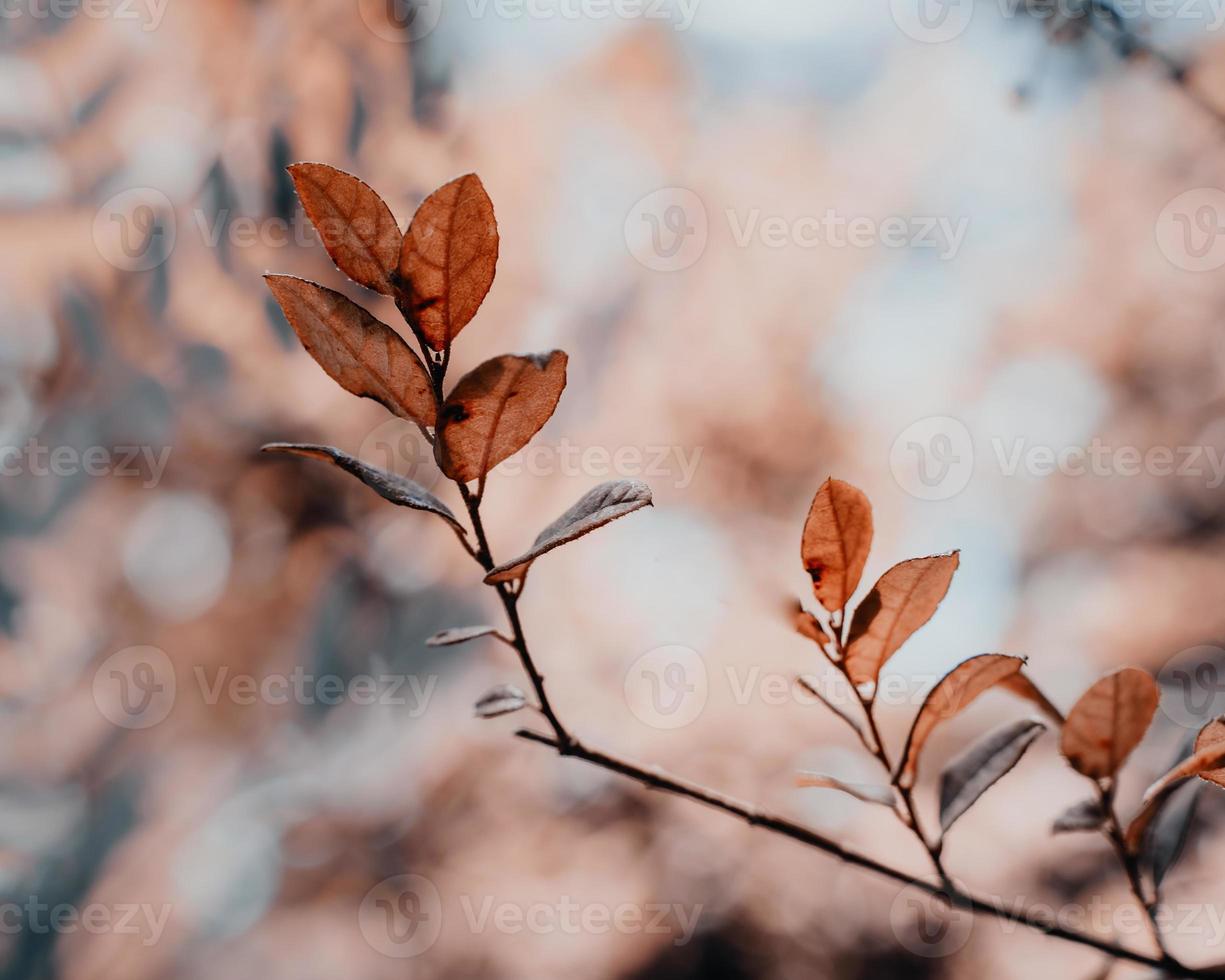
976, 770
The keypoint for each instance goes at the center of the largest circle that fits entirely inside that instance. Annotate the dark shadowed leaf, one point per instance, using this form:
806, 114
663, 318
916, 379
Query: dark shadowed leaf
361, 354
837, 709
880, 795
356, 226
956, 690
448, 258
390, 486
836, 541
501, 700
496, 409
976, 770
459, 634
598, 507
1203, 760
1109, 721
1085, 815
1164, 843
904, 599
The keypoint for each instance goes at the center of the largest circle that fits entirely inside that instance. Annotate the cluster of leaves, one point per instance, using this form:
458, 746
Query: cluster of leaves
1098, 735
438, 273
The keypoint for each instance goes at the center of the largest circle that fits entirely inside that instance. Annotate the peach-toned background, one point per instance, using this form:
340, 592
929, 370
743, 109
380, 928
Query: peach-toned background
144, 196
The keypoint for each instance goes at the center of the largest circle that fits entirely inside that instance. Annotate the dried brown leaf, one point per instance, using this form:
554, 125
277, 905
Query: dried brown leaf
880, 795
356, 226
449, 257
496, 409
1109, 721
904, 599
956, 690
390, 486
598, 507
1212, 734
360, 353
1203, 760
836, 541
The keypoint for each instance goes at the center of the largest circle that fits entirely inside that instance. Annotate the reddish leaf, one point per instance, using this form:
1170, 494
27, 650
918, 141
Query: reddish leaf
496, 409
1207, 759
837, 538
598, 507
868, 793
357, 228
1212, 734
1108, 722
361, 354
448, 258
904, 599
956, 690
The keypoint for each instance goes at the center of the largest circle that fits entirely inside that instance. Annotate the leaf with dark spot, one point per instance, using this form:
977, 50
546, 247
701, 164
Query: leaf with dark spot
1109, 721
448, 258
501, 700
836, 541
357, 228
976, 770
496, 409
598, 507
390, 486
360, 353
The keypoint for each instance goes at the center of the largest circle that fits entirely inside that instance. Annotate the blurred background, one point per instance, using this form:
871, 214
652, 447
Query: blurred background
967, 256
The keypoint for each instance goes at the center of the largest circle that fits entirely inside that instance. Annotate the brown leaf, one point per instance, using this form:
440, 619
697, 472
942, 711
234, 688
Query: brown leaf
880, 795
496, 409
449, 257
390, 486
1212, 734
459, 634
598, 507
836, 541
904, 599
981, 766
956, 690
1109, 721
356, 226
361, 354
1207, 759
